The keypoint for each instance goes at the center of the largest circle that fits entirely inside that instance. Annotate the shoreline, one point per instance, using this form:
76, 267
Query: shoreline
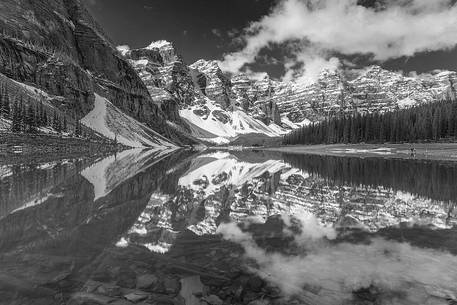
423, 151
37, 148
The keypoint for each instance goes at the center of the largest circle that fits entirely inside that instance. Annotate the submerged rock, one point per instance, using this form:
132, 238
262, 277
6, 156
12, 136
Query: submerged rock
89, 298
212, 300
146, 281
109, 290
171, 285
191, 290
136, 296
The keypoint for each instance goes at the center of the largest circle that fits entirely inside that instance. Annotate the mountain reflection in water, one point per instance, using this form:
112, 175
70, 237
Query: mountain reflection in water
312, 229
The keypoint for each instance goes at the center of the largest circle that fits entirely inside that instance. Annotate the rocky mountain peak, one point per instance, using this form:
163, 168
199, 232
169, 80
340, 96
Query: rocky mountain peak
57, 47
203, 92
207, 66
159, 44
166, 50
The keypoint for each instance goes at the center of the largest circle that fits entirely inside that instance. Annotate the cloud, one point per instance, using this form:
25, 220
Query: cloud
124, 49
216, 32
256, 75
328, 272
314, 30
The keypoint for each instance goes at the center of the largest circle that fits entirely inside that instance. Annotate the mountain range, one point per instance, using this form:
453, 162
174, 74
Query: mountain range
57, 56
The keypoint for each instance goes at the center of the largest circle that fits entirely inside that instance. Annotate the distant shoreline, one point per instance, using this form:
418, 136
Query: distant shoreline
422, 151
37, 148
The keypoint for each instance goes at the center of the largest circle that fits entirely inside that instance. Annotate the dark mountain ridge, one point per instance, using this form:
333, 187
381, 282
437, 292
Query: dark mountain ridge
58, 47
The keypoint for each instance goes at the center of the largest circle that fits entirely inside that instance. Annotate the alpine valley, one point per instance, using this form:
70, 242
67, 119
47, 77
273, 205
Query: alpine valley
56, 59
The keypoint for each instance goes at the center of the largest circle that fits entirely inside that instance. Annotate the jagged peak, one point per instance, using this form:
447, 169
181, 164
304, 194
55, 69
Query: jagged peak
159, 44
203, 63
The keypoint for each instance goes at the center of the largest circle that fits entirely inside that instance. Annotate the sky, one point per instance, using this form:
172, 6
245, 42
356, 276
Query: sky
291, 39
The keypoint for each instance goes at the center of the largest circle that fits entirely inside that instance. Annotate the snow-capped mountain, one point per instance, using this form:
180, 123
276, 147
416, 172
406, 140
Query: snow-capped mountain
218, 108
200, 97
374, 89
158, 97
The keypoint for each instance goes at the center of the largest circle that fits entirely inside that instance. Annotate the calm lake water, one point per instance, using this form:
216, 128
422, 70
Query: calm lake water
228, 227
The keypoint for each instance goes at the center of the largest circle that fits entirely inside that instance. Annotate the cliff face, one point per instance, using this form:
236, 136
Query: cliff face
166, 77
375, 89
58, 47
201, 98
219, 108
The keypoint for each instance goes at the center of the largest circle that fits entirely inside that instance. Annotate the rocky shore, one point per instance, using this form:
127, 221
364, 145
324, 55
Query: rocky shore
415, 151
197, 270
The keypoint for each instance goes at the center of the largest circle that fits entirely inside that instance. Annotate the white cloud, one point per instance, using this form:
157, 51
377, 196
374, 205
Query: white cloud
124, 49
256, 75
326, 272
216, 32
323, 27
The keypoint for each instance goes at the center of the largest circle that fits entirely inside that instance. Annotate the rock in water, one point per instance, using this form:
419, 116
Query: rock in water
146, 281
191, 290
136, 296
213, 300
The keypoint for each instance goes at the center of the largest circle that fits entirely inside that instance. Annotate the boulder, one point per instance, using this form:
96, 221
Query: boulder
136, 296
146, 281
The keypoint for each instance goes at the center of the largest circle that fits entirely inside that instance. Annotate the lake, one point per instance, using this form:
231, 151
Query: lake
228, 227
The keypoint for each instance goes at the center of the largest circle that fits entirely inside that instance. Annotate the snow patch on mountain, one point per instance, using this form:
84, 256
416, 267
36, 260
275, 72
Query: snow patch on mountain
286, 121
112, 123
5, 124
5, 171
406, 102
158, 44
219, 126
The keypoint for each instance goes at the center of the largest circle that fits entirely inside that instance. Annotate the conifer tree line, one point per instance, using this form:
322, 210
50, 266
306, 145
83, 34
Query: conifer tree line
27, 117
428, 122
432, 180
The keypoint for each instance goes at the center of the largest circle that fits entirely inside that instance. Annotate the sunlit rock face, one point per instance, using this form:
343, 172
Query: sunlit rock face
374, 89
215, 107
202, 88
217, 85
166, 77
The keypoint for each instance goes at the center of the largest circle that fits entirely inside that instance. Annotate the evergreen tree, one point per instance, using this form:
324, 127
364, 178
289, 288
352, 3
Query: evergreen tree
5, 109
17, 120
433, 121
64, 125
30, 119
346, 130
436, 125
56, 124
78, 128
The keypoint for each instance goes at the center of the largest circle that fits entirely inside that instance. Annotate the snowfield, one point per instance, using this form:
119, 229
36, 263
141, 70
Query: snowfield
407, 103
112, 123
5, 124
206, 123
